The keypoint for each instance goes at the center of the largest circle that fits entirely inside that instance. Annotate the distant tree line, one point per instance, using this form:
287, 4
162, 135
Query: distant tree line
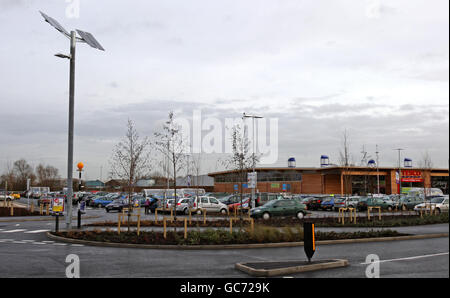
17, 174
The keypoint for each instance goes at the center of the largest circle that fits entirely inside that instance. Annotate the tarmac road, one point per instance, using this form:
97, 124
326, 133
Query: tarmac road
25, 251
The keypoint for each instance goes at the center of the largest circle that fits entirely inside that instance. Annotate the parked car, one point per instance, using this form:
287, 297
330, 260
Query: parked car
263, 198
238, 205
210, 204
440, 204
183, 205
409, 202
101, 202
117, 205
327, 203
312, 203
5, 197
284, 207
385, 203
233, 199
349, 202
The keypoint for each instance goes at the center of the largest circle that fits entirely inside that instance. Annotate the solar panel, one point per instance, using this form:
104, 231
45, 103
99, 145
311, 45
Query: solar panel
55, 24
90, 40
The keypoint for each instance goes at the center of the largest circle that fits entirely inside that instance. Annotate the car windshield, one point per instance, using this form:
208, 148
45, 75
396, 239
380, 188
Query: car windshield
437, 200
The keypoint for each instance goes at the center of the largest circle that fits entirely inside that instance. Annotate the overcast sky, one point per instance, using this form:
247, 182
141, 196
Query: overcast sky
379, 69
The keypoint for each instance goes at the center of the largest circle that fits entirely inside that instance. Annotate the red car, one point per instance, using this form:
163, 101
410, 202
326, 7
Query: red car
245, 204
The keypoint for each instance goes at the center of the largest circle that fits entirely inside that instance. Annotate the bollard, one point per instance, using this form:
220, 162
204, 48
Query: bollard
32, 207
231, 225
156, 215
164, 225
190, 216
204, 216
118, 223
12, 211
47, 209
185, 228
379, 213
252, 224
57, 222
41, 209
138, 223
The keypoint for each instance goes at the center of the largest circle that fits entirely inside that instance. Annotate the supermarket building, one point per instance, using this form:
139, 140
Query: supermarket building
333, 180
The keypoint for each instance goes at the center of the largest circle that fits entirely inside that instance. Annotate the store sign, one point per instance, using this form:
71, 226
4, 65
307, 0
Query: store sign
412, 176
275, 185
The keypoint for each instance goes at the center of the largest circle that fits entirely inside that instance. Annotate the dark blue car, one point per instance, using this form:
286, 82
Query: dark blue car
327, 204
102, 202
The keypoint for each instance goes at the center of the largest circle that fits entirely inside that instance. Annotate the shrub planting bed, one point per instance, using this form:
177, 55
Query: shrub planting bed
217, 237
6, 212
386, 221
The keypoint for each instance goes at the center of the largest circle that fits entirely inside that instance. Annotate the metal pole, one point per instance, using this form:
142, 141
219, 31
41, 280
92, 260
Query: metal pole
378, 175
256, 182
71, 124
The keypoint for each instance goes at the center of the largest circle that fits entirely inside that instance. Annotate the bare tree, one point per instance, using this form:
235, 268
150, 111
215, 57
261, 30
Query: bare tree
242, 157
47, 175
426, 164
130, 160
171, 144
23, 171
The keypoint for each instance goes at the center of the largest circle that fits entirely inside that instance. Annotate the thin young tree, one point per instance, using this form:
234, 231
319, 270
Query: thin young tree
426, 164
241, 159
130, 160
171, 144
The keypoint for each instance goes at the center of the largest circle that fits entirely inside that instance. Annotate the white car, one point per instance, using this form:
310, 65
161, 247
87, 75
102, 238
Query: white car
440, 203
210, 204
5, 197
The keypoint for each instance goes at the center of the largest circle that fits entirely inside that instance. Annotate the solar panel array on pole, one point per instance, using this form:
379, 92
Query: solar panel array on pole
90, 40
55, 24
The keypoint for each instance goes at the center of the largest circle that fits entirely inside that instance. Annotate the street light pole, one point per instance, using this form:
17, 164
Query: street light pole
88, 38
71, 124
254, 151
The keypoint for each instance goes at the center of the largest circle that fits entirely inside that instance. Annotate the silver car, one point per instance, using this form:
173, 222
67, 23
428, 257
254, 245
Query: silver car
210, 204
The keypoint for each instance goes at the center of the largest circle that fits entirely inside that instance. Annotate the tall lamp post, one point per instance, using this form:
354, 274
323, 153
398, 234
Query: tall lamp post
254, 150
85, 37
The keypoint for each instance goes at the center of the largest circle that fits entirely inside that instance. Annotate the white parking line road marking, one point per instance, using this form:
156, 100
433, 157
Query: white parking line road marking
37, 231
14, 231
408, 258
39, 243
61, 244
78, 245
48, 241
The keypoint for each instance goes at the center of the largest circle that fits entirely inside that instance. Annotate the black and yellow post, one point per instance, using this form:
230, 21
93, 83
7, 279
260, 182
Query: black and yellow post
309, 241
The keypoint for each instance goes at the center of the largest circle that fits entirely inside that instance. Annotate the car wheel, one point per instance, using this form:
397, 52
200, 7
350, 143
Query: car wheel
99, 205
404, 208
186, 211
389, 208
266, 216
107, 210
199, 212
300, 215
438, 211
223, 211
